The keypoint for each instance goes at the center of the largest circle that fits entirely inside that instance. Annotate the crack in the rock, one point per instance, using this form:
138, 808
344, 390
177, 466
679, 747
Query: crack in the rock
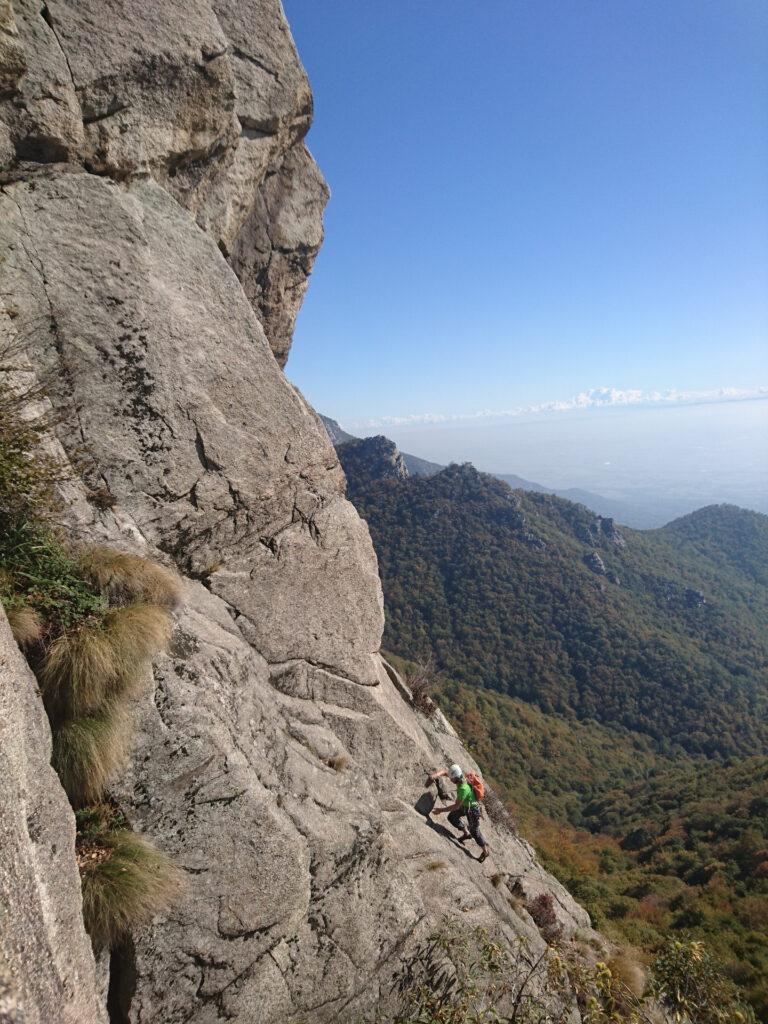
116, 107
45, 14
242, 55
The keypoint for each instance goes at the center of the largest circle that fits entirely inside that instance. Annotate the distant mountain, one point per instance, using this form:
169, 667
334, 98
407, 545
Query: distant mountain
611, 683
414, 465
619, 510
658, 631
420, 467
336, 433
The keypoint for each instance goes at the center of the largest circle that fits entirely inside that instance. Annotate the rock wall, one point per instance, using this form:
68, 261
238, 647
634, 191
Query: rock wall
159, 215
205, 97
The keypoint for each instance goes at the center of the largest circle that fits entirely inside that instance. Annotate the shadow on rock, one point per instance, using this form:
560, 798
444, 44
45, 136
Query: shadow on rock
447, 834
425, 804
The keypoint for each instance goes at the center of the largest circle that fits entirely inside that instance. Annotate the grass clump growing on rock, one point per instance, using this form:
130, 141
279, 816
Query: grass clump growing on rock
78, 670
125, 879
136, 633
103, 659
123, 577
26, 625
89, 749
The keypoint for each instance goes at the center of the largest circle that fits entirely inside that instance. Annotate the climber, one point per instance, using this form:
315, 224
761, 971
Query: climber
467, 805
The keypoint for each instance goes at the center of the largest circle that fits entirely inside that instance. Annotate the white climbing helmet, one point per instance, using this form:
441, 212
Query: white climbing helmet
455, 773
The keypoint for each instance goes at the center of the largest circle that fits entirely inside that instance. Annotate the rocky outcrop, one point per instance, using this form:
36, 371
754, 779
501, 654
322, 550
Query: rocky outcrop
372, 458
158, 218
594, 562
47, 972
413, 464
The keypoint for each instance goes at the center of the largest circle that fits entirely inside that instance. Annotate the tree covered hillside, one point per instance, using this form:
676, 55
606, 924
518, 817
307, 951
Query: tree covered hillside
652, 846
660, 632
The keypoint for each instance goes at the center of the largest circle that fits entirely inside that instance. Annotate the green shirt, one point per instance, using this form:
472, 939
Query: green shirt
465, 794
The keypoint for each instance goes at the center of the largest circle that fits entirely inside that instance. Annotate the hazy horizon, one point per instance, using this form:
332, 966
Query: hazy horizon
668, 459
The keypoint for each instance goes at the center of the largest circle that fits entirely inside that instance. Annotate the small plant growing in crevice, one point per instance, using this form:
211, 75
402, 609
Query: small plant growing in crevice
125, 880
436, 865
422, 680
339, 762
542, 910
497, 811
89, 750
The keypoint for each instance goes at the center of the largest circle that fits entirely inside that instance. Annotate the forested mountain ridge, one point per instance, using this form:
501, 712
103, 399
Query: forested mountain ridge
529, 594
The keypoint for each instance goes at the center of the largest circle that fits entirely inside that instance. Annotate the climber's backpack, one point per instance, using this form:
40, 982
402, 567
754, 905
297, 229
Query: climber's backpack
478, 788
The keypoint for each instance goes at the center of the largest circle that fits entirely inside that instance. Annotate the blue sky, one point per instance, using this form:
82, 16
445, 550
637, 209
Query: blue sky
532, 199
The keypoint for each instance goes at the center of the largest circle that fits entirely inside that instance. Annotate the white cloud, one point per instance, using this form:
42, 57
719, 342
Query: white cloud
594, 398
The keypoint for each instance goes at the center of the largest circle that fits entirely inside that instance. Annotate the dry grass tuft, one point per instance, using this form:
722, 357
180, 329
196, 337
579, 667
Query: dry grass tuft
422, 679
26, 625
436, 865
497, 880
102, 659
124, 578
87, 751
627, 968
126, 881
339, 762
136, 632
497, 811
79, 670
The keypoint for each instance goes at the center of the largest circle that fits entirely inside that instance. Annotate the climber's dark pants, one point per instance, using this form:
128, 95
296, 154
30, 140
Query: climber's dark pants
473, 815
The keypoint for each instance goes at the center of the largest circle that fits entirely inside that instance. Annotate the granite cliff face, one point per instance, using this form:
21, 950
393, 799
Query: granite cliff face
208, 99
159, 215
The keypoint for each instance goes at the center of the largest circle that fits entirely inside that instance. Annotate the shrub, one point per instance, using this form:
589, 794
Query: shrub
26, 625
497, 810
422, 680
123, 578
28, 475
39, 572
88, 750
125, 880
542, 910
688, 981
